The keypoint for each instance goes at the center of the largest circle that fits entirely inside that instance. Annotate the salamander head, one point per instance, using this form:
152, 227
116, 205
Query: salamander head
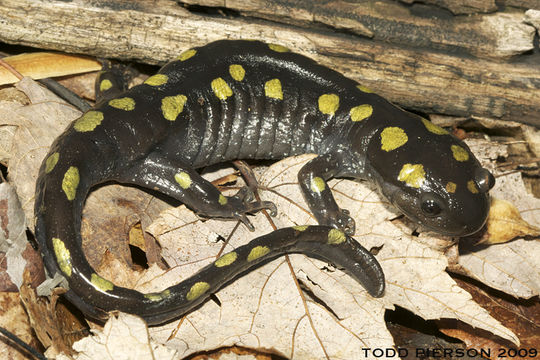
430, 175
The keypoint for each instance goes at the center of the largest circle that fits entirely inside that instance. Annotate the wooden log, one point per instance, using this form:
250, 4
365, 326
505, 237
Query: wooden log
478, 6
485, 35
153, 32
524, 4
461, 6
533, 17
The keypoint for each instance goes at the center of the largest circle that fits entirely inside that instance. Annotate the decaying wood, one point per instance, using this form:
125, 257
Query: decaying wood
533, 17
478, 6
524, 4
422, 78
461, 6
485, 35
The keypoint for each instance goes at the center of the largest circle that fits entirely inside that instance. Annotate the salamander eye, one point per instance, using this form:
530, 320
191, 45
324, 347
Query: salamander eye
430, 204
484, 180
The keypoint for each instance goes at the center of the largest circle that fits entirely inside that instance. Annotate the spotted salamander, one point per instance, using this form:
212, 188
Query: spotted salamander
249, 100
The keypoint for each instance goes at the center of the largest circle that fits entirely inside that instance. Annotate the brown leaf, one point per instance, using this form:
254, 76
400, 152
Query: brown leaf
39, 65
521, 316
52, 322
14, 318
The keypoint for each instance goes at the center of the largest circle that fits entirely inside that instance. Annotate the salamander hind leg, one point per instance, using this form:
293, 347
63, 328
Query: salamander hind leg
180, 181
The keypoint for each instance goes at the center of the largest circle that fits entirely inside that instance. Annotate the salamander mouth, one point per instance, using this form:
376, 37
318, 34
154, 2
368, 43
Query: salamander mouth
456, 230
441, 224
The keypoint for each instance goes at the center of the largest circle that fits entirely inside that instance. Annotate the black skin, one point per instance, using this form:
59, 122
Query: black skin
221, 113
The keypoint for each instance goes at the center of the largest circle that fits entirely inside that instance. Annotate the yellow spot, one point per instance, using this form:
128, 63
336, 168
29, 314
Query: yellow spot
336, 237
101, 283
460, 154
153, 296
431, 127
88, 121
221, 88
70, 182
300, 227
63, 256
156, 80
237, 72
317, 185
451, 187
125, 103
412, 175
172, 106
328, 103
158, 296
278, 48
361, 112
187, 54
183, 179
226, 259
105, 85
197, 290
392, 138
272, 89
364, 89
222, 200
257, 252
51, 162
472, 187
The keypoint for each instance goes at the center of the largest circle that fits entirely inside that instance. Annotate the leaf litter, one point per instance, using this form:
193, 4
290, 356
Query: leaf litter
294, 306
270, 314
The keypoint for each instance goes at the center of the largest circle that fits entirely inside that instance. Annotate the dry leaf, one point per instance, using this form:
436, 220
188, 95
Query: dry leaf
39, 65
520, 315
109, 215
38, 124
14, 318
265, 309
512, 267
123, 337
54, 325
12, 233
505, 223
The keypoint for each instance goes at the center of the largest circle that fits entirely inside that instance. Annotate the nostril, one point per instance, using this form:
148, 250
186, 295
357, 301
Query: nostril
484, 180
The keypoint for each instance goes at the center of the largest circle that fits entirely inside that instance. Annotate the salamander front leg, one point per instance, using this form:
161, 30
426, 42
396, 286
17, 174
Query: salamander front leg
312, 178
183, 183
112, 81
